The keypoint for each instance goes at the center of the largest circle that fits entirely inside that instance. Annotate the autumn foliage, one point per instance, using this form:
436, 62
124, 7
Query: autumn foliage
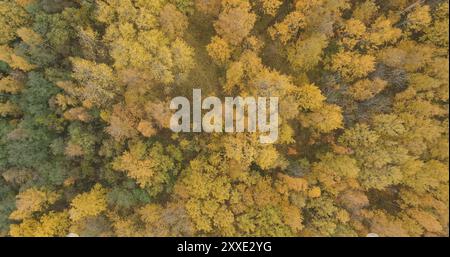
85, 144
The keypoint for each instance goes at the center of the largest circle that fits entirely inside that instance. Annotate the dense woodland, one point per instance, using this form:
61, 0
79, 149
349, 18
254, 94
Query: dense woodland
85, 144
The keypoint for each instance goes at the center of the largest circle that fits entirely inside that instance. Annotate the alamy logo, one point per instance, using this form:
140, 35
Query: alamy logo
261, 114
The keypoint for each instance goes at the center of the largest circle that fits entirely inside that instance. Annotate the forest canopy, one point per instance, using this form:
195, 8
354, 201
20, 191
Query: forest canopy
86, 147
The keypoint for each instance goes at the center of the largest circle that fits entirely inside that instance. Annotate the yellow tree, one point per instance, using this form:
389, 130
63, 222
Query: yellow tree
211, 7
150, 167
9, 56
11, 85
365, 89
289, 27
235, 21
53, 224
172, 21
419, 19
365, 11
87, 204
29, 36
12, 17
97, 82
270, 7
305, 54
352, 65
326, 119
32, 200
308, 97
219, 50
437, 32
382, 32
